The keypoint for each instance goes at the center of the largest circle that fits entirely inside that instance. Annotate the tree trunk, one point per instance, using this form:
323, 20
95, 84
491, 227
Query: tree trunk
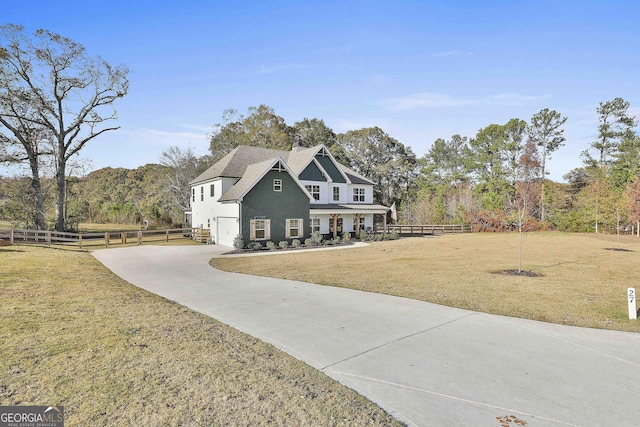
37, 189
62, 193
544, 172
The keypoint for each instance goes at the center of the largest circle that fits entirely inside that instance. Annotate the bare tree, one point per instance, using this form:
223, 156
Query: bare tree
51, 86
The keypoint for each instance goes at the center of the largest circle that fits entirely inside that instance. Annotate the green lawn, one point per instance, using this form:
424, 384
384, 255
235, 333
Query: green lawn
74, 334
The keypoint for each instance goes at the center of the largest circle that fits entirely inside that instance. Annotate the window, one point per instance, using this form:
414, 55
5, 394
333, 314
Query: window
213, 190
358, 227
202, 193
277, 185
260, 229
209, 223
294, 228
315, 225
314, 190
358, 194
336, 194
193, 194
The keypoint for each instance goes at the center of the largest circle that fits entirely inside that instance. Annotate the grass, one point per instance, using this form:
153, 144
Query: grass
582, 283
76, 335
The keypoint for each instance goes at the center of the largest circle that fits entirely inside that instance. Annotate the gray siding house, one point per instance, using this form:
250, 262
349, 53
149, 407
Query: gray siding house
265, 195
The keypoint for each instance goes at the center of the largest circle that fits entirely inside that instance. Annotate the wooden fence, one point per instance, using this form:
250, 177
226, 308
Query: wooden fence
434, 230
83, 240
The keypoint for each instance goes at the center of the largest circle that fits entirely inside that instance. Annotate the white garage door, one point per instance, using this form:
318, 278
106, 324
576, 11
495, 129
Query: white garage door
227, 230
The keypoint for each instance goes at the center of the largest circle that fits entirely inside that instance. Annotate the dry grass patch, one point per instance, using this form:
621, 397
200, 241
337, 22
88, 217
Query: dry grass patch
74, 334
582, 283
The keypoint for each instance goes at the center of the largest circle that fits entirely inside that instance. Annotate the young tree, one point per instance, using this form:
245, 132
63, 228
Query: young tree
50, 86
546, 131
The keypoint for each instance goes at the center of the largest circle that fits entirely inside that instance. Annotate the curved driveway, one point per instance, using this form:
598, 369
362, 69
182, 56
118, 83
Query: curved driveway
427, 365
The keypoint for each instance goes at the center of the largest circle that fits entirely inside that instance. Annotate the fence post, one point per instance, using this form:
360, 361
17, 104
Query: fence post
80, 240
167, 235
140, 237
49, 238
11, 236
106, 239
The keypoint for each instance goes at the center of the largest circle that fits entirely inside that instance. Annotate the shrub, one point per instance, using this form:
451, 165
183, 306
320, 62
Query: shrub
394, 235
295, 243
254, 246
271, 245
283, 244
336, 241
363, 235
308, 242
316, 238
346, 237
238, 243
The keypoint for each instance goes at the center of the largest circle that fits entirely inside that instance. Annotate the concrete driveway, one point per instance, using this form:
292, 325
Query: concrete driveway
427, 365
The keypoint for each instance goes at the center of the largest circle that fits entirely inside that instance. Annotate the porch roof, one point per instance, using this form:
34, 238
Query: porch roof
352, 209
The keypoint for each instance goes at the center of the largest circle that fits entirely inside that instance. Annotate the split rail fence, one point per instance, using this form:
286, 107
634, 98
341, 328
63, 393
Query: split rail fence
103, 239
434, 230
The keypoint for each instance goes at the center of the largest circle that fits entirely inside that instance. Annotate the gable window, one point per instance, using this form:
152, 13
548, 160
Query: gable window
358, 194
294, 228
202, 193
277, 185
314, 190
314, 225
213, 190
260, 229
336, 194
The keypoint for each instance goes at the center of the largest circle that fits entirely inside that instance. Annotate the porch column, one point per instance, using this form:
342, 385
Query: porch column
334, 219
357, 228
384, 222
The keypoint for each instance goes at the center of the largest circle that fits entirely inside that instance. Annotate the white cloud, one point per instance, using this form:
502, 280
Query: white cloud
436, 99
272, 69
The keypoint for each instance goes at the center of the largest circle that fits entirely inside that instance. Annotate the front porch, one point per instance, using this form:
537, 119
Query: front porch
334, 220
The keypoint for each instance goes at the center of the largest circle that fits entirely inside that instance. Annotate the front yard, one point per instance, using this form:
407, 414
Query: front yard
582, 281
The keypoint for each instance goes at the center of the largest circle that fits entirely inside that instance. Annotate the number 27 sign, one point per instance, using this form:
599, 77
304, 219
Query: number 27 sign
633, 306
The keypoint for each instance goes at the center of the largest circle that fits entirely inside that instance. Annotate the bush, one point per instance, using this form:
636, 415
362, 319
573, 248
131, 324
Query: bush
346, 237
254, 246
295, 243
271, 245
363, 235
316, 239
336, 241
238, 243
394, 235
308, 242
283, 244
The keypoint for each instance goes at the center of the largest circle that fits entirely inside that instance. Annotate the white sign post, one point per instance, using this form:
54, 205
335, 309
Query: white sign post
633, 303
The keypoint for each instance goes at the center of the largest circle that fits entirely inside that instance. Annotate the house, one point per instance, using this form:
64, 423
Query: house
265, 195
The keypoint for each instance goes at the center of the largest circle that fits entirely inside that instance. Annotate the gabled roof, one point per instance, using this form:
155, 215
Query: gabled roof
253, 174
234, 164
354, 177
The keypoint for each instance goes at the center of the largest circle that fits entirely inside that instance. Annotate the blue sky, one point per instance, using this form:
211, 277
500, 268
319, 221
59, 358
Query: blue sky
420, 70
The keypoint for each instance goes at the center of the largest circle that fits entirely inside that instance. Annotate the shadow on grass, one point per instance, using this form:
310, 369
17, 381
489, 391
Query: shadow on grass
515, 272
